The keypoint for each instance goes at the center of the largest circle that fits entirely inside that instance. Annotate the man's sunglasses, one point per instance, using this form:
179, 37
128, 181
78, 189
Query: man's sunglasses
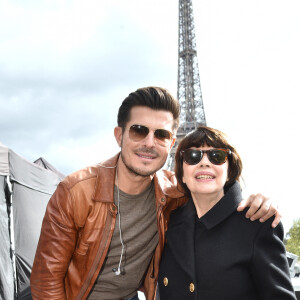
215, 156
139, 132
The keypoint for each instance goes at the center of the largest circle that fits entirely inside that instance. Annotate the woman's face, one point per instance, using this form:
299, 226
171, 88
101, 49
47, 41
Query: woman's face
205, 178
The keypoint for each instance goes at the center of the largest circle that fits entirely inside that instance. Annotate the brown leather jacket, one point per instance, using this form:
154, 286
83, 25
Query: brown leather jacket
77, 231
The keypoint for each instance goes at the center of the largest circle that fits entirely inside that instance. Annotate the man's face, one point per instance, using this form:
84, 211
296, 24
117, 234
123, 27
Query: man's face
145, 156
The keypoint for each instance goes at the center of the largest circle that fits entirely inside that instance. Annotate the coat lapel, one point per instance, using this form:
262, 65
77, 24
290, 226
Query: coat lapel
180, 237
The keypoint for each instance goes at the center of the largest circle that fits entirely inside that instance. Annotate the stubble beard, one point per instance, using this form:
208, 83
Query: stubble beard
138, 171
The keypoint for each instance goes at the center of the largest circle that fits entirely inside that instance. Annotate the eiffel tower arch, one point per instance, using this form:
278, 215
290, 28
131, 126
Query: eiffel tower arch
188, 80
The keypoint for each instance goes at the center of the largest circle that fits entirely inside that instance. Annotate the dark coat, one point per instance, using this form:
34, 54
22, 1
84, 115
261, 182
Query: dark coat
223, 255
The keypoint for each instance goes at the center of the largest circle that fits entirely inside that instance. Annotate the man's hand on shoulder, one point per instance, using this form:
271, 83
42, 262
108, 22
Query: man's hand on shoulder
261, 208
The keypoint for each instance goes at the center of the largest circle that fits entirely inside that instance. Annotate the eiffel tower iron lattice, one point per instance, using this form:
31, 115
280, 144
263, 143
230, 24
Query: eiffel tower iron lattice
188, 81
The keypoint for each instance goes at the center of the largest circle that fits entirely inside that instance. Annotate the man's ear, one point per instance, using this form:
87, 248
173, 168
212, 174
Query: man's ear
118, 132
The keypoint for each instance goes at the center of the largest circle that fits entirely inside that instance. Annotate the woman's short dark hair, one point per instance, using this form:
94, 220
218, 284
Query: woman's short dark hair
156, 98
206, 136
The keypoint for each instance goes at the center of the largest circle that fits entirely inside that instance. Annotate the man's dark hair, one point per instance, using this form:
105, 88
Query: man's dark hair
156, 98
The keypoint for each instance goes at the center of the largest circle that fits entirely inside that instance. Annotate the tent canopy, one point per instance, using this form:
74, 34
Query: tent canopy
25, 189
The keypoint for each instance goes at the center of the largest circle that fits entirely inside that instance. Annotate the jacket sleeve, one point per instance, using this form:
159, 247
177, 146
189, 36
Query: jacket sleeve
55, 247
269, 266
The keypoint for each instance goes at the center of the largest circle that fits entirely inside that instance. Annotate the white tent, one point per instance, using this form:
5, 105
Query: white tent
25, 189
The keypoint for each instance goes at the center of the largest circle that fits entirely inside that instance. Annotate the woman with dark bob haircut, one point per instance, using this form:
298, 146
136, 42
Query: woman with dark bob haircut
212, 251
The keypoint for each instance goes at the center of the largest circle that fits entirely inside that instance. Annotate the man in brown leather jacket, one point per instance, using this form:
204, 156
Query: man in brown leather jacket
103, 230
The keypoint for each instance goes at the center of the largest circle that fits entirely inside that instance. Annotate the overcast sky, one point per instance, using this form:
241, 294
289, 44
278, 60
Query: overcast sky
65, 67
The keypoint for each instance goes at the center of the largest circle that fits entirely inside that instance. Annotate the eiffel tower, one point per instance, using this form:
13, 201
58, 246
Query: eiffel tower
188, 81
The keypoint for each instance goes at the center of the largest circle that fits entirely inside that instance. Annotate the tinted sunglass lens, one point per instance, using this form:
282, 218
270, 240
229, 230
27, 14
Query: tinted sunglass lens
192, 157
217, 157
163, 135
138, 132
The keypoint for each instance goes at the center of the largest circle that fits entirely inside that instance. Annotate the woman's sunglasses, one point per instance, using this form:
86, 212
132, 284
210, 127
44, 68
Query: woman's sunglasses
215, 156
139, 132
